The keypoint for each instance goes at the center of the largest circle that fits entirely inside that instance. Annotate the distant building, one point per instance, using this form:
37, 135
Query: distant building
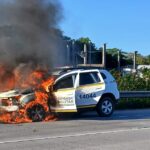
140, 67
129, 69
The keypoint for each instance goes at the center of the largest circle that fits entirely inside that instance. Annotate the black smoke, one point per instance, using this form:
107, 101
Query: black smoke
30, 35
29, 32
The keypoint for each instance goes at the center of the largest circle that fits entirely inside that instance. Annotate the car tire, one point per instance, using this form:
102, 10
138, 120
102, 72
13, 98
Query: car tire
105, 107
36, 113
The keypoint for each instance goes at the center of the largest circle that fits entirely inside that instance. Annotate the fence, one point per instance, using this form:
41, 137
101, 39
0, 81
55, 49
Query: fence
135, 94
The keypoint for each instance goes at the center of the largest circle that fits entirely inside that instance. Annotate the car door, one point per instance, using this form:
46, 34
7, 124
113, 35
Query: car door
64, 92
89, 90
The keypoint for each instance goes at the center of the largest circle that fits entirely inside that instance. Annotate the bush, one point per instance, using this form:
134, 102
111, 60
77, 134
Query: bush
133, 82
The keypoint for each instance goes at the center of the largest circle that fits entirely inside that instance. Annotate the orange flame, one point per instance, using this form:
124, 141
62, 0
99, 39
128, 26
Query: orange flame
40, 83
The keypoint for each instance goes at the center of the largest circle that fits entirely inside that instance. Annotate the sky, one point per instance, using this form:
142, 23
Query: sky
122, 24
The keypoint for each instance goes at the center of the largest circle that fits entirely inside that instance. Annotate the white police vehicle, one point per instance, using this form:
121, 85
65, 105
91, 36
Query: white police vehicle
77, 89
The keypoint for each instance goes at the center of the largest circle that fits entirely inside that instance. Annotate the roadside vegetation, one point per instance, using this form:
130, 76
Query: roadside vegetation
133, 82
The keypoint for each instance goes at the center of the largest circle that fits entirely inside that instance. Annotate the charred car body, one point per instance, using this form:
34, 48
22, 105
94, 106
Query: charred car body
74, 90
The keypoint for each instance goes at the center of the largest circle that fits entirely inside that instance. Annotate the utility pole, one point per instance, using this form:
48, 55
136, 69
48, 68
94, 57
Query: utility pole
68, 54
90, 53
134, 61
85, 54
104, 56
73, 54
119, 56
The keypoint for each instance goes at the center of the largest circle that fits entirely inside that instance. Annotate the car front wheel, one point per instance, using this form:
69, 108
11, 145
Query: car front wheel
105, 107
36, 113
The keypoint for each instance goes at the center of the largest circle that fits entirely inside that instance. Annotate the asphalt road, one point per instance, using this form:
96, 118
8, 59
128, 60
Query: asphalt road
125, 130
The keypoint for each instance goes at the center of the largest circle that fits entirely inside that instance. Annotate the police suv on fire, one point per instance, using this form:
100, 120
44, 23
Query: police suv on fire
74, 89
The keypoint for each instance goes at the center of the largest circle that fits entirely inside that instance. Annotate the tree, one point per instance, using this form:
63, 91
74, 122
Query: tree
84, 40
143, 60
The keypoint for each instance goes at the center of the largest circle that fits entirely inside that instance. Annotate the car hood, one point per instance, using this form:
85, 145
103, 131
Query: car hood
11, 93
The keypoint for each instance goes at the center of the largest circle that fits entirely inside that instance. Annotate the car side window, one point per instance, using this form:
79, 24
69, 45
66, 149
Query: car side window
103, 75
95, 77
88, 78
67, 82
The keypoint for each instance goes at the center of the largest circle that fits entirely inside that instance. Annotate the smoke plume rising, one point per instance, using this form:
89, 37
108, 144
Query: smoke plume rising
29, 36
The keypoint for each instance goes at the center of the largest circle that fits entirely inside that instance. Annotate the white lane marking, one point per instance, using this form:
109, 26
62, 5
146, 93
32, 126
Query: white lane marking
72, 135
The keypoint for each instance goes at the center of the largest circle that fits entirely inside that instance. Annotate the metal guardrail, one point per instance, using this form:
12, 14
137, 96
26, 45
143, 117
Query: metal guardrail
135, 94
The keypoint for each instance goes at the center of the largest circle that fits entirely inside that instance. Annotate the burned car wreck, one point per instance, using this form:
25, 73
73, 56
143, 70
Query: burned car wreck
14, 100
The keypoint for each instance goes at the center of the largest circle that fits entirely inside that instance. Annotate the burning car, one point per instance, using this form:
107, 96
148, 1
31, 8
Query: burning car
11, 100
15, 100
73, 90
